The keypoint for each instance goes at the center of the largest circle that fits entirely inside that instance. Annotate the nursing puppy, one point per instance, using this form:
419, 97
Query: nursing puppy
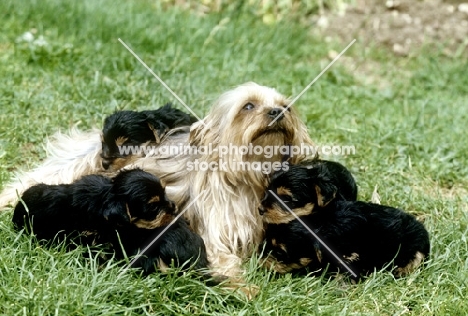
364, 236
132, 129
315, 181
128, 212
221, 202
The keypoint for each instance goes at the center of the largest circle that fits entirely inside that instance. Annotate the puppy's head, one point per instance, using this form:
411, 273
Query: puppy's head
301, 189
144, 198
124, 128
242, 116
335, 173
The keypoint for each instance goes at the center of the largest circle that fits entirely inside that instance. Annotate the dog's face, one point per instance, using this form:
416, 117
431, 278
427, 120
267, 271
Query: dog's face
290, 247
124, 128
301, 189
243, 116
144, 198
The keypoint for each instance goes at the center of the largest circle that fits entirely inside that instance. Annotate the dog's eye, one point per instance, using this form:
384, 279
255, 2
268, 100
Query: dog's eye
249, 106
288, 199
286, 107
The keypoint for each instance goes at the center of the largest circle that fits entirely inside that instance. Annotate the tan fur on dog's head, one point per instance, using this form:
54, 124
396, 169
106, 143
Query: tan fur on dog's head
242, 116
232, 120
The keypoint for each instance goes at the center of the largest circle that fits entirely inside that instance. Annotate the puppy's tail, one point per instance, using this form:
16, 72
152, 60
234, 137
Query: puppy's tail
69, 157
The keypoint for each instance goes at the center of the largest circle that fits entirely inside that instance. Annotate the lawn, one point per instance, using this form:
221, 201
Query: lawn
406, 117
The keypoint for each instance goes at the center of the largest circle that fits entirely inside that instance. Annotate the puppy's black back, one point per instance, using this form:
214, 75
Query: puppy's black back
89, 194
169, 116
389, 234
186, 246
178, 245
138, 127
132, 128
65, 208
41, 206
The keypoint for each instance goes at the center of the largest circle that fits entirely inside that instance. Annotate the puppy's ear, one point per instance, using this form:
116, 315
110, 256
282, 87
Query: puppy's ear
116, 213
326, 192
155, 133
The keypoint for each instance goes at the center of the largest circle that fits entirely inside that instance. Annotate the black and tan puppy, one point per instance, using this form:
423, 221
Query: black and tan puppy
364, 236
132, 128
127, 211
315, 181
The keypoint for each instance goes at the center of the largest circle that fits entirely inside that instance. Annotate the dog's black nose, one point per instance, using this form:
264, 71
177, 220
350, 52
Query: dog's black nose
261, 210
275, 112
106, 164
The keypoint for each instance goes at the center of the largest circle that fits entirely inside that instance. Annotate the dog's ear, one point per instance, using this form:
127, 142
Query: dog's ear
326, 192
116, 213
321, 180
155, 133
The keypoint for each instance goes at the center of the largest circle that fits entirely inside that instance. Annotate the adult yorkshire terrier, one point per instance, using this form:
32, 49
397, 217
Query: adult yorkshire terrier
128, 212
222, 204
364, 236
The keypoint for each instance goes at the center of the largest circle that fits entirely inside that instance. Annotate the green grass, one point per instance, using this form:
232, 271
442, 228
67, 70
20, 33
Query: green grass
408, 127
